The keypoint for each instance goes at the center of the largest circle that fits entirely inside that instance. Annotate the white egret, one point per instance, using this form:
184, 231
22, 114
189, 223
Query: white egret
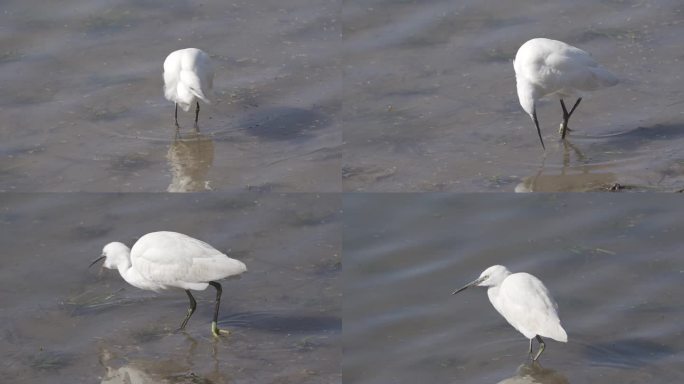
545, 67
524, 302
188, 76
161, 260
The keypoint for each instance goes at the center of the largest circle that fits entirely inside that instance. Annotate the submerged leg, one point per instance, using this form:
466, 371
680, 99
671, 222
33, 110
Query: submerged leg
214, 324
541, 347
566, 117
191, 310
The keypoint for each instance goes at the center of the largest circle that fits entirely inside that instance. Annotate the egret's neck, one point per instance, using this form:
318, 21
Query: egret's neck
493, 294
527, 94
124, 268
133, 277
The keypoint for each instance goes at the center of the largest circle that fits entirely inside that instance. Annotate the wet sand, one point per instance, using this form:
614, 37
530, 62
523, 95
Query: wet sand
612, 262
61, 319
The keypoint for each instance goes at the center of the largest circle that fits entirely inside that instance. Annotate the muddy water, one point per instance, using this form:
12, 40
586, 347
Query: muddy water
82, 106
614, 264
60, 319
430, 101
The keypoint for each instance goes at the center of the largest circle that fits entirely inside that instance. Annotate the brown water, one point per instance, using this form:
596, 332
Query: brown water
82, 106
613, 263
431, 103
59, 319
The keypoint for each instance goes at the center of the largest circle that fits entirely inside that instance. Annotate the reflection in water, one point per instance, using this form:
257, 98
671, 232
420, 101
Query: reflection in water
535, 373
569, 179
172, 370
190, 159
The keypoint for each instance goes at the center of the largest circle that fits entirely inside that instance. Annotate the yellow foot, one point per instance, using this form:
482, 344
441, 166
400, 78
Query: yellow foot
562, 128
218, 332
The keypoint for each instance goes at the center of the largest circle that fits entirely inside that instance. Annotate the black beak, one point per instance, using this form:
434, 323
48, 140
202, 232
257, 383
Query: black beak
536, 123
471, 284
96, 260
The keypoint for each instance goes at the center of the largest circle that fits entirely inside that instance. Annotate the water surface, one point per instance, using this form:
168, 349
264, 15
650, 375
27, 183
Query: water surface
82, 106
61, 319
430, 101
613, 263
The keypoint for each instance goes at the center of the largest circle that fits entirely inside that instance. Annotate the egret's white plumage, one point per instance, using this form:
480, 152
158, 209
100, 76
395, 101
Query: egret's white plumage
162, 260
188, 76
545, 67
524, 301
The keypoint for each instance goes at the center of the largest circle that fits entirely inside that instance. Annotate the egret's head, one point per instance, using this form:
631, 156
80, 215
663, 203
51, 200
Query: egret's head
114, 254
491, 276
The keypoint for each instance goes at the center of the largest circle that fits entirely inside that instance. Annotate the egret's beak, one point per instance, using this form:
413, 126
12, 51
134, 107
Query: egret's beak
96, 260
471, 284
536, 123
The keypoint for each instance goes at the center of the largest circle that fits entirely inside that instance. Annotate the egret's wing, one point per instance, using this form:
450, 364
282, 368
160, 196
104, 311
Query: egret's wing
171, 76
528, 305
574, 68
170, 257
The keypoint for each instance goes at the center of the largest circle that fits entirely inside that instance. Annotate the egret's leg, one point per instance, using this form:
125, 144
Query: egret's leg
214, 324
566, 117
197, 114
574, 106
191, 310
541, 348
536, 124
530, 351
176, 115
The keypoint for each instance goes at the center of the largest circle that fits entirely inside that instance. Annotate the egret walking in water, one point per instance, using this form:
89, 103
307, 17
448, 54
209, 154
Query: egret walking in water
524, 302
546, 67
188, 76
161, 260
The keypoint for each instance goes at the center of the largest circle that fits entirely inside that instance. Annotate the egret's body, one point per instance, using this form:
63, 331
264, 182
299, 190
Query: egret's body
188, 76
524, 302
162, 260
545, 67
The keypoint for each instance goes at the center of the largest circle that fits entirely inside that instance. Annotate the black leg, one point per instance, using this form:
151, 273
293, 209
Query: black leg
191, 310
197, 112
536, 124
541, 348
566, 117
176, 115
214, 324
574, 106
530, 351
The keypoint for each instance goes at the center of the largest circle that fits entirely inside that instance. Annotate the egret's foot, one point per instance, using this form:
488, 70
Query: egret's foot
542, 346
218, 332
563, 130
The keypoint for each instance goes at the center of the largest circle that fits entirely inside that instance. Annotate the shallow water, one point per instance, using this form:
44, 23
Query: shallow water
60, 319
82, 106
613, 263
431, 103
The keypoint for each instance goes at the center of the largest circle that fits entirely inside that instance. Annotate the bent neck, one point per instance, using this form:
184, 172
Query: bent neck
527, 94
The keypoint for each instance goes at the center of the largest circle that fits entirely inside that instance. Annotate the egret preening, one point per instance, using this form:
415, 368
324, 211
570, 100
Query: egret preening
161, 260
188, 76
524, 302
546, 67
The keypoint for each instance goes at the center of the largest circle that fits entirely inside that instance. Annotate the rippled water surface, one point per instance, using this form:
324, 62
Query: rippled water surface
431, 103
82, 106
60, 319
613, 263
